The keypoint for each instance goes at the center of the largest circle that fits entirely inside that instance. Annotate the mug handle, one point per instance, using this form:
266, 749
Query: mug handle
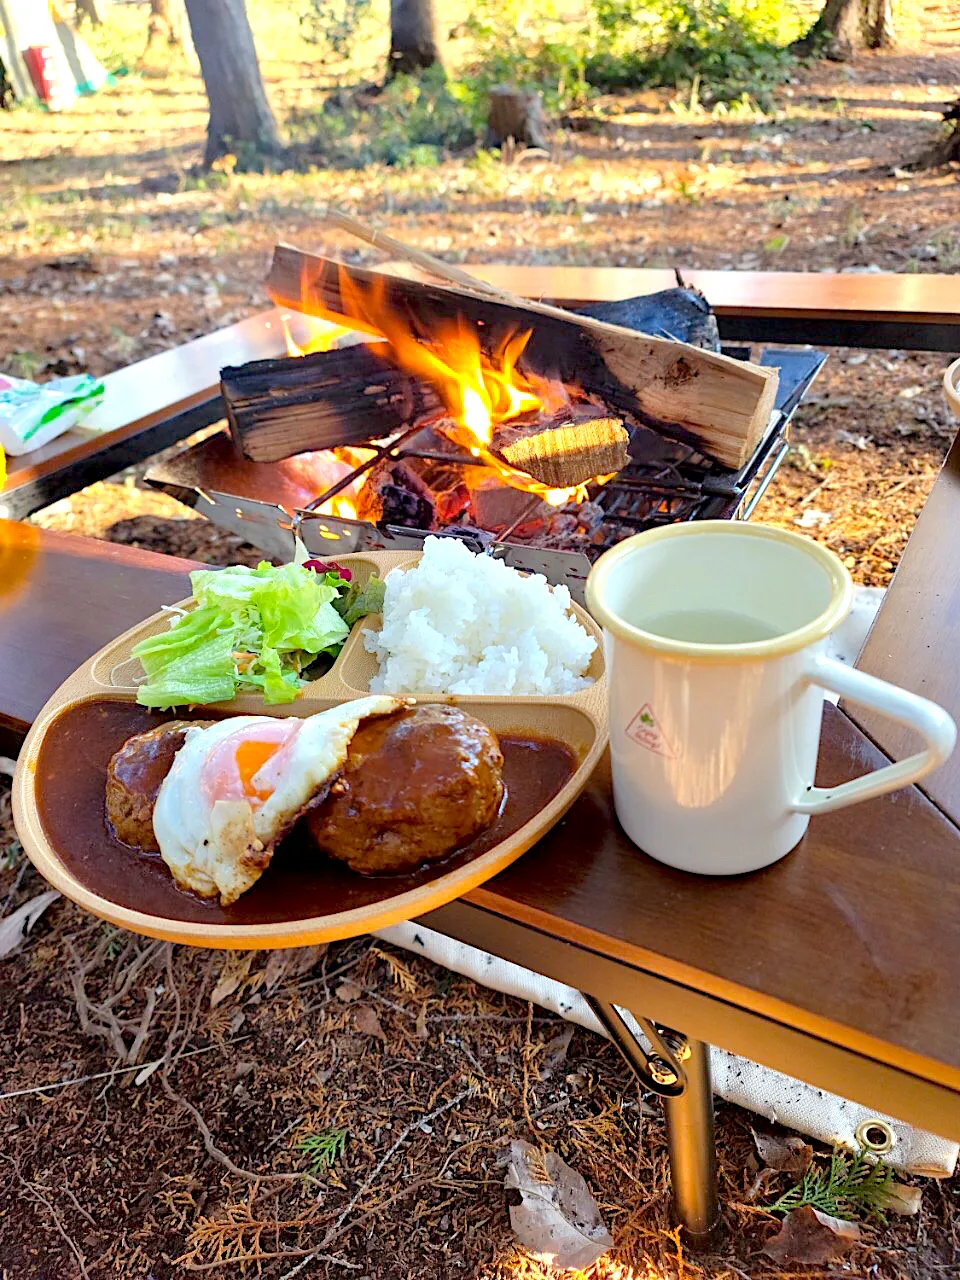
931, 721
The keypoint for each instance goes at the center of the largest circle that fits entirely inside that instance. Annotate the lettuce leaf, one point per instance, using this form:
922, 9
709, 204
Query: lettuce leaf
356, 604
274, 615
192, 662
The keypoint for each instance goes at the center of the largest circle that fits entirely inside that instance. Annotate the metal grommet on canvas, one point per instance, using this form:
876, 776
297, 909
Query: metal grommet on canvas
875, 1136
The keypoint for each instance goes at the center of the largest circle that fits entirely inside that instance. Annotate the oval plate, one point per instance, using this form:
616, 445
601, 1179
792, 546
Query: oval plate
58, 803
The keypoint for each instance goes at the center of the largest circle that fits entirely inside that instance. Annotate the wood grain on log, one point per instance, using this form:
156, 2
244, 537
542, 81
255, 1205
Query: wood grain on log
276, 408
720, 405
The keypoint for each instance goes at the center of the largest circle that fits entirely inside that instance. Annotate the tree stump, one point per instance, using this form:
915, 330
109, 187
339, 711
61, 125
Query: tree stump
517, 114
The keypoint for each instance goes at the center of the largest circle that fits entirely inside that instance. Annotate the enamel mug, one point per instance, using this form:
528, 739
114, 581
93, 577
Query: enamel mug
714, 638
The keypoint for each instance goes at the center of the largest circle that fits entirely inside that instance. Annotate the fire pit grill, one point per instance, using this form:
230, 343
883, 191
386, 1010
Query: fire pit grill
665, 483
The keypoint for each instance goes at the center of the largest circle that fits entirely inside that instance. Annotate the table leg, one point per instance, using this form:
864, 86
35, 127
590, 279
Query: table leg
690, 1142
688, 1108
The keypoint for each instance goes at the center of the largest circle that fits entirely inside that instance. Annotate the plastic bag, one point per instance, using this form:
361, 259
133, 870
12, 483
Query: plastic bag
32, 414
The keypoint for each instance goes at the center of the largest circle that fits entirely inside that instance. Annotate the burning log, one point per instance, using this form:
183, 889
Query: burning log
720, 405
276, 408
568, 453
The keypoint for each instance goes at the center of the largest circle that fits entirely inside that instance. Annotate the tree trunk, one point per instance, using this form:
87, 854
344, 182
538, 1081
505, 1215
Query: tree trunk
517, 114
846, 25
878, 21
166, 23
88, 9
241, 120
413, 37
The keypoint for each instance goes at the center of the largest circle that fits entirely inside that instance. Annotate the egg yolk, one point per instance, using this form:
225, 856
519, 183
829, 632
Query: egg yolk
232, 770
251, 756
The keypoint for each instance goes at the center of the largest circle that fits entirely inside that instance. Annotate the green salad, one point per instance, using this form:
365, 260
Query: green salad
260, 630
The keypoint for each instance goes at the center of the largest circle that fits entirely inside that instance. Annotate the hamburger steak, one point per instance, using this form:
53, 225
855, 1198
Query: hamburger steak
415, 786
134, 775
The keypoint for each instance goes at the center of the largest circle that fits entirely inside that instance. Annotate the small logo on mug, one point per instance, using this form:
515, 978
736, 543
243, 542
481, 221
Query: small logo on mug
645, 730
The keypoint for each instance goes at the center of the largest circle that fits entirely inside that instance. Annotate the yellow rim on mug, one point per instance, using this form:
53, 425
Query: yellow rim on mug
840, 602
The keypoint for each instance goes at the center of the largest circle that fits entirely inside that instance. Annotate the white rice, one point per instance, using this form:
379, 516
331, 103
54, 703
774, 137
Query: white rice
465, 624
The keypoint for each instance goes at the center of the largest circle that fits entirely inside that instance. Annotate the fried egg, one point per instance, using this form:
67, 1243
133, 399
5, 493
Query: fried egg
237, 787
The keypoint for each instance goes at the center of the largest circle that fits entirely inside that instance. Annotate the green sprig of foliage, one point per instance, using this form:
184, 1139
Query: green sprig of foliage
849, 1186
323, 1149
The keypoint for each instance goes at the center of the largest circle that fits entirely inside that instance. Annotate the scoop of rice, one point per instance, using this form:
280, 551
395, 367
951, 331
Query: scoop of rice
464, 623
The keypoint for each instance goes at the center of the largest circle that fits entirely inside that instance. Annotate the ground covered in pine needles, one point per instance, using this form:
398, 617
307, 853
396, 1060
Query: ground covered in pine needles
346, 1110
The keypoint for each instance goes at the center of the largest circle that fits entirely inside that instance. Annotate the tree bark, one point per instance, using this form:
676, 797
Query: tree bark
413, 37
878, 21
846, 25
517, 114
88, 9
166, 23
241, 120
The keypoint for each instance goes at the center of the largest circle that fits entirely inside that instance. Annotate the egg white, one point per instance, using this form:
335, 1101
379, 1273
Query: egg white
223, 846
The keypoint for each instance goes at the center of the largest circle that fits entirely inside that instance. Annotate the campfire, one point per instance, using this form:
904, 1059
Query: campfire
416, 406
495, 450
405, 408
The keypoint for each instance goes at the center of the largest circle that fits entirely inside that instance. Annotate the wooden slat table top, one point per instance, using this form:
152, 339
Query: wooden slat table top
855, 937
915, 640
61, 599
839, 296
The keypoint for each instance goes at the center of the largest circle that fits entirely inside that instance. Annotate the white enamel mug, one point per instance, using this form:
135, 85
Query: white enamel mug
714, 634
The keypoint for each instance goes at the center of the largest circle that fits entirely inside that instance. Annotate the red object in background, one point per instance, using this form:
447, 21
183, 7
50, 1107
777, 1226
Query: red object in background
40, 63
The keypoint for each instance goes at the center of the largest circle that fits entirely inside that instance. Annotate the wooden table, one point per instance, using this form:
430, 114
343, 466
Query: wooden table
873, 894
158, 401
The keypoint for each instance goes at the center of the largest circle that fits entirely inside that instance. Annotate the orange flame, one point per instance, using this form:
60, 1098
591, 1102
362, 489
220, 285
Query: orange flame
309, 474
479, 391
323, 336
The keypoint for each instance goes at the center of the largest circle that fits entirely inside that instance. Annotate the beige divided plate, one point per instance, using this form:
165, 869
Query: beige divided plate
551, 746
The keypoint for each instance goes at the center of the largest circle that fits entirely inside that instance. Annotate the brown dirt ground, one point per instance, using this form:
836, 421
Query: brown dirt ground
197, 1166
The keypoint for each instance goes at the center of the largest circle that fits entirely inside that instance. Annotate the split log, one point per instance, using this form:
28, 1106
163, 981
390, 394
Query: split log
719, 405
276, 408
566, 454
517, 114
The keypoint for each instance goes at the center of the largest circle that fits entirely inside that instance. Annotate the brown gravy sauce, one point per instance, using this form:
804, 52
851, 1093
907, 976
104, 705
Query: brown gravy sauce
301, 881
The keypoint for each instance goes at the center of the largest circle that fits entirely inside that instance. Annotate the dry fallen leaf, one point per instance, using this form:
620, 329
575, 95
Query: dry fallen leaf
422, 1032
348, 991
811, 1237
290, 962
552, 1211
15, 927
368, 1024
236, 967
555, 1050
901, 1199
787, 1155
